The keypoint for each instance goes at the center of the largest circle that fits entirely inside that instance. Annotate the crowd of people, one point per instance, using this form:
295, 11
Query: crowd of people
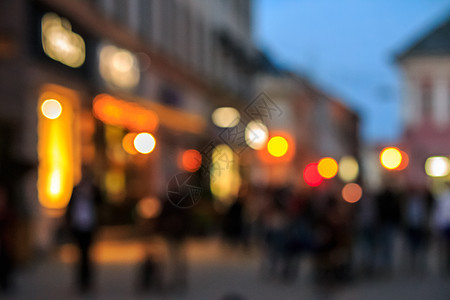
343, 239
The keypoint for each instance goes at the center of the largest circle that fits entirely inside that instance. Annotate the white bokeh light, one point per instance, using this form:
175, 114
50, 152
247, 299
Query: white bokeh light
256, 135
437, 166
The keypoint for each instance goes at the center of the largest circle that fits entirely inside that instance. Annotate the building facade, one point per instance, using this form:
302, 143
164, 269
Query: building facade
110, 69
426, 99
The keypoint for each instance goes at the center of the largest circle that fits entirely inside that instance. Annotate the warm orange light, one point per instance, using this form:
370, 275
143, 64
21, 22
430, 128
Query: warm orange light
352, 192
128, 143
327, 167
144, 143
390, 158
191, 160
59, 159
280, 148
405, 161
121, 113
149, 208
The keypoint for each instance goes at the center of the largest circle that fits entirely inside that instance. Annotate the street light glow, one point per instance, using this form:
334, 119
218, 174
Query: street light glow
51, 109
277, 146
144, 143
437, 166
390, 158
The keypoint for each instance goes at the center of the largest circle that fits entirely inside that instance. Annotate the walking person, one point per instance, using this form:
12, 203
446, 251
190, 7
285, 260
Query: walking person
82, 214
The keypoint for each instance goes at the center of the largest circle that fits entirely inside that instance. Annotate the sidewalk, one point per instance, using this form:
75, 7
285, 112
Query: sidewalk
214, 271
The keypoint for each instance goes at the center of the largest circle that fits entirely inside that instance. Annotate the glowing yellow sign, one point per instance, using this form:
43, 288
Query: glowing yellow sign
60, 43
58, 149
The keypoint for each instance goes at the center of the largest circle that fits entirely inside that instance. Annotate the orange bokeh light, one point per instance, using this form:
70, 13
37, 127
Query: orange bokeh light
117, 112
327, 167
352, 192
405, 161
191, 160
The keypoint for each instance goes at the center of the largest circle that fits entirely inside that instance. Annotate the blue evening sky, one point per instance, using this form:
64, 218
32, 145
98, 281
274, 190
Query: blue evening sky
347, 47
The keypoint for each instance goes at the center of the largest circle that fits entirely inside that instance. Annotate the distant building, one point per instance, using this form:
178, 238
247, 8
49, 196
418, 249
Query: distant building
320, 125
426, 99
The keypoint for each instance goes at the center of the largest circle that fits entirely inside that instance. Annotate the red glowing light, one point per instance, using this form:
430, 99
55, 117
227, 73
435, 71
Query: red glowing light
191, 160
311, 175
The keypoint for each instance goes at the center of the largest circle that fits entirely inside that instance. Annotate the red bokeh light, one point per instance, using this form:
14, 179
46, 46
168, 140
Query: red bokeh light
191, 160
311, 175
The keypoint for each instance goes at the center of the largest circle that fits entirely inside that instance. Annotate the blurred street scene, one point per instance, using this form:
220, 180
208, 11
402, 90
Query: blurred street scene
153, 148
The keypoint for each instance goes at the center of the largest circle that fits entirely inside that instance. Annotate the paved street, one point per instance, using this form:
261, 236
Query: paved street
214, 271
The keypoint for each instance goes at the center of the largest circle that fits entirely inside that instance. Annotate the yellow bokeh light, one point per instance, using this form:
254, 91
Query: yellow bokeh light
327, 167
390, 158
51, 109
437, 166
144, 143
224, 179
277, 146
348, 169
225, 117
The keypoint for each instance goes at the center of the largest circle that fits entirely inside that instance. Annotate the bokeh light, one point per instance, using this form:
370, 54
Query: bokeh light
128, 143
327, 167
225, 117
60, 43
277, 146
148, 208
352, 192
405, 161
119, 67
132, 116
51, 109
311, 175
390, 158
348, 169
144, 143
256, 135
225, 179
191, 160
437, 166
